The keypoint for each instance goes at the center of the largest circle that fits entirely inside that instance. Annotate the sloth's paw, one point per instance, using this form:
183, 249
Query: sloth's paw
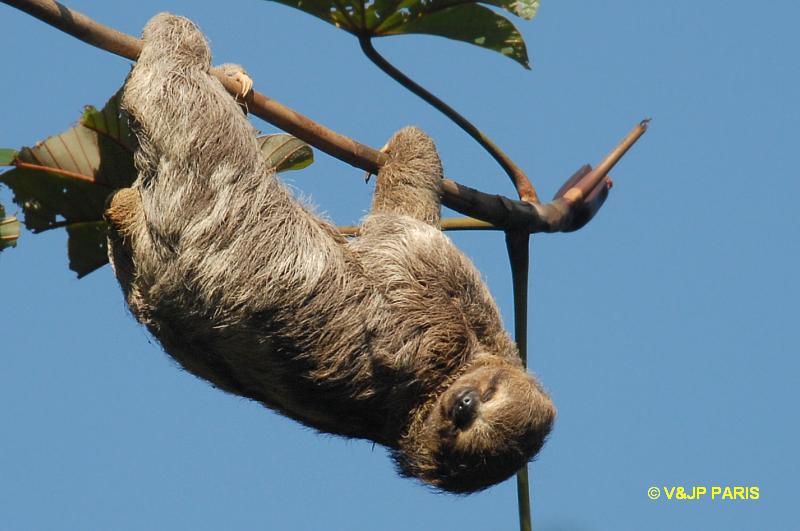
239, 74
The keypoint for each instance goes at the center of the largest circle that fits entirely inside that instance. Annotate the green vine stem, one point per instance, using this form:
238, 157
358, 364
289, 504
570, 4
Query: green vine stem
521, 182
518, 256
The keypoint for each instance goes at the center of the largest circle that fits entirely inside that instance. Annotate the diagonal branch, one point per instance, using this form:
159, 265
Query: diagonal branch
569, 211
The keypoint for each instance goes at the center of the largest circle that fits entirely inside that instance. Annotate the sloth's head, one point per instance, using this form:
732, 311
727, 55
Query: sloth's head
484, 427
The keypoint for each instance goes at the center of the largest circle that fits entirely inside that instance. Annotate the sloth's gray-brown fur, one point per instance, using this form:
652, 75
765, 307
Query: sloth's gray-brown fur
390, 337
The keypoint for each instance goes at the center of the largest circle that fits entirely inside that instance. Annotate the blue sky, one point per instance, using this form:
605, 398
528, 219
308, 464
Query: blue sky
665, 330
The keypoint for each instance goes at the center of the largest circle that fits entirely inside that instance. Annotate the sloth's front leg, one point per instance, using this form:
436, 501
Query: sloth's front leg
411, 182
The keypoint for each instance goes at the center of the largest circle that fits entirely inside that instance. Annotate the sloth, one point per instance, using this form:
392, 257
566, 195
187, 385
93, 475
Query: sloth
391, 336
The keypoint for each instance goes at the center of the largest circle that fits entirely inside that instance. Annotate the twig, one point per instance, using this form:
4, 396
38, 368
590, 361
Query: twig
578, 192
447, 225
563, 214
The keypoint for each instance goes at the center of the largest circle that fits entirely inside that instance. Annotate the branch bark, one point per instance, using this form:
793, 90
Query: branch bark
575, 204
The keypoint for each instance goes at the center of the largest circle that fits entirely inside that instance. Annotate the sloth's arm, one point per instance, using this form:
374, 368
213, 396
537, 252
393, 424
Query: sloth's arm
208, 194
124, 211
411, 182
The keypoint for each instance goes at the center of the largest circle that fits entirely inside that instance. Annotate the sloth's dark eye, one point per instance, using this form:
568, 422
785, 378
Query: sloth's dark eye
465, 408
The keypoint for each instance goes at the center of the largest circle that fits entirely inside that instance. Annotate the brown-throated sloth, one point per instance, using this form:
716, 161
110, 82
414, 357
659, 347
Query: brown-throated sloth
390, 337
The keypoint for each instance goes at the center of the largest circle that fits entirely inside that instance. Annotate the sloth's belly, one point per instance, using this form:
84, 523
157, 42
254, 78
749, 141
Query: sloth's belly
263, 367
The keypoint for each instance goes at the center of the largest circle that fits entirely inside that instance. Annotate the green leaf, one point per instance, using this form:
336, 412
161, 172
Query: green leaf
110, 123
87, 246
474, 24
9, 230
7, 156
285, 152
463, 20
64, 180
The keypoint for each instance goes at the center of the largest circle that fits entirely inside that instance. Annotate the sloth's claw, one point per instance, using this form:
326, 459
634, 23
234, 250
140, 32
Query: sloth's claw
245, 82
239, 74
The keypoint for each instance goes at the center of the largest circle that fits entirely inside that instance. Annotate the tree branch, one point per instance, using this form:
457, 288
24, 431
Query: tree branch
572, 208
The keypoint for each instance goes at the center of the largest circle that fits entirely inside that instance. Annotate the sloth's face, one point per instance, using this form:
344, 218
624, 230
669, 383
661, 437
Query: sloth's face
486, 426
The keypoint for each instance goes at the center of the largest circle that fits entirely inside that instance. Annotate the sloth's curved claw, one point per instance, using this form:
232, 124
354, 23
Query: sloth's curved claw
239, 74
245, 82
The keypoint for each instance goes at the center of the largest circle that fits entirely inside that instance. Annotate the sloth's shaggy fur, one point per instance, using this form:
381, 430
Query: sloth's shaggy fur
390, 337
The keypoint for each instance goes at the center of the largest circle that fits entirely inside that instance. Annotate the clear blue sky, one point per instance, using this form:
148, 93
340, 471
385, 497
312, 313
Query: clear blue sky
665, 330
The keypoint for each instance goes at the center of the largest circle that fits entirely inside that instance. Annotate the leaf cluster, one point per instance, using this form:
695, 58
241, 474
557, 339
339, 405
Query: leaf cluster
462, 20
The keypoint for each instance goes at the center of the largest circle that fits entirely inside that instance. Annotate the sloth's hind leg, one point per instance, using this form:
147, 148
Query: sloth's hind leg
124, 211
127, 235
411, 182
